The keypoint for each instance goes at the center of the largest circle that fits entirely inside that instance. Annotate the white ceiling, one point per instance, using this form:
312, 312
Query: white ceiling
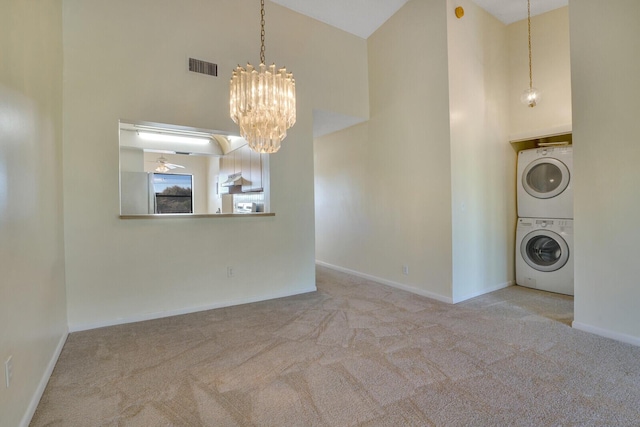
363, 17
359, 17
509, 11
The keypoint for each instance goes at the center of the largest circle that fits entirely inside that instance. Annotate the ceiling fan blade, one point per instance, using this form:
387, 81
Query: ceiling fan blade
173, 166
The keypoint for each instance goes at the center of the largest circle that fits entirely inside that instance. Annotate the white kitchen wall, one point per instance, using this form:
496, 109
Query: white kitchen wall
551, 68
33, 324
384, 187
482, 160
605, 69
128, 60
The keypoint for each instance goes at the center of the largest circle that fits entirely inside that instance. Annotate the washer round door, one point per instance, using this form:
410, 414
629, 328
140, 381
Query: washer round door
544, 250
545, 178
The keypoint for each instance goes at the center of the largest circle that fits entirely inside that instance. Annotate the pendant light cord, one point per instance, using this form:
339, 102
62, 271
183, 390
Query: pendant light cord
529, 32
262, 36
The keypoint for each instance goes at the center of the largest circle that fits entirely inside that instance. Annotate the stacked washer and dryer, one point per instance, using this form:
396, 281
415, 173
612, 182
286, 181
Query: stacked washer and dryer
544, 236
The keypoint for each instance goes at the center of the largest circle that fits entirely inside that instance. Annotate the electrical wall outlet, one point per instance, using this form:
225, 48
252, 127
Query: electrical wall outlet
230, 271
8, 370
405, 270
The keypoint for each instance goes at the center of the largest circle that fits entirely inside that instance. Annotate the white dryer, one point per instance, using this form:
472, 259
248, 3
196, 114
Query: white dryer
544, 182
544, 254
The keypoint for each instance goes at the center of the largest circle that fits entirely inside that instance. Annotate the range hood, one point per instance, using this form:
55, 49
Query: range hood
236, 180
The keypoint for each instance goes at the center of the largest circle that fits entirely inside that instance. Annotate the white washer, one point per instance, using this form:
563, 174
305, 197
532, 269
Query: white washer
544, 182
544, 254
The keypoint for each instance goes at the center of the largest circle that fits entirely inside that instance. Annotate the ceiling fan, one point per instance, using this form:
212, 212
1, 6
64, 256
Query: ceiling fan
165, 166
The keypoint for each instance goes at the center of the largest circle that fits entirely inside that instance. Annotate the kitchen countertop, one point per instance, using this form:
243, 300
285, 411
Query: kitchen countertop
220, 215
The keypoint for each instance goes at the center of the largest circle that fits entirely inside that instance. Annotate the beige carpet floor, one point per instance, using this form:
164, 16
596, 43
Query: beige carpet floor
353, 353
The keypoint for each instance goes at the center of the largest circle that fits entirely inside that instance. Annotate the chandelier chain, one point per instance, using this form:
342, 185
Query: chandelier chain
262, 32
529, 33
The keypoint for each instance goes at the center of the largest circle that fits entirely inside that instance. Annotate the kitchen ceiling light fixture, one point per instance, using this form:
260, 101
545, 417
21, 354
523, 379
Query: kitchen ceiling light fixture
263, 101
531, 96
170, 137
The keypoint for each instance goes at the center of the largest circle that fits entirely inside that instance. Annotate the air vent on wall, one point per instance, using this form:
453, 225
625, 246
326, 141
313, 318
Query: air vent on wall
203, 67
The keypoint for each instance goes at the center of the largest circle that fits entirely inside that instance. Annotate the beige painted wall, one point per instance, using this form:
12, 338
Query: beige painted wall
484, 62
551, 74
33, 322
605, 70
384, 189
128, 60
482, 160
342, 191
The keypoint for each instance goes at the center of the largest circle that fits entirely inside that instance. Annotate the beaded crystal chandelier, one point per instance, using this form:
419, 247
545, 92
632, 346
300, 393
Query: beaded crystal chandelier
262, 101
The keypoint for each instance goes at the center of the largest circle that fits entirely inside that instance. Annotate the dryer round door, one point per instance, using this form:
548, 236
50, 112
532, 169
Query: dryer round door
545, 178
544, 250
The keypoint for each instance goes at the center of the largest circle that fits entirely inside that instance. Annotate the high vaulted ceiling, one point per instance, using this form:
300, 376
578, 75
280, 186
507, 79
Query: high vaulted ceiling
363, 17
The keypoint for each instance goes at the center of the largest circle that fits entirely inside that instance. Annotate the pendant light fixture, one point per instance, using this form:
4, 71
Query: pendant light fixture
262, 101
531, 96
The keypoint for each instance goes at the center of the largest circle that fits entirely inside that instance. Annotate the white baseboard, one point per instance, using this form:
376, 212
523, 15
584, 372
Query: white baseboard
629, 339
35, 399
484, 291
77, 327
393, 284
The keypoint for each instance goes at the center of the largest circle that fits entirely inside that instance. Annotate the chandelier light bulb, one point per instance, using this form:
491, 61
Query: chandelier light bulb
530, 97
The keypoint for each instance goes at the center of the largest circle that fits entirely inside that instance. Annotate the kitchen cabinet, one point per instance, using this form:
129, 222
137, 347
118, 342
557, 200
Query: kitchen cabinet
253, 163
245, 162
226, 169
256, 171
